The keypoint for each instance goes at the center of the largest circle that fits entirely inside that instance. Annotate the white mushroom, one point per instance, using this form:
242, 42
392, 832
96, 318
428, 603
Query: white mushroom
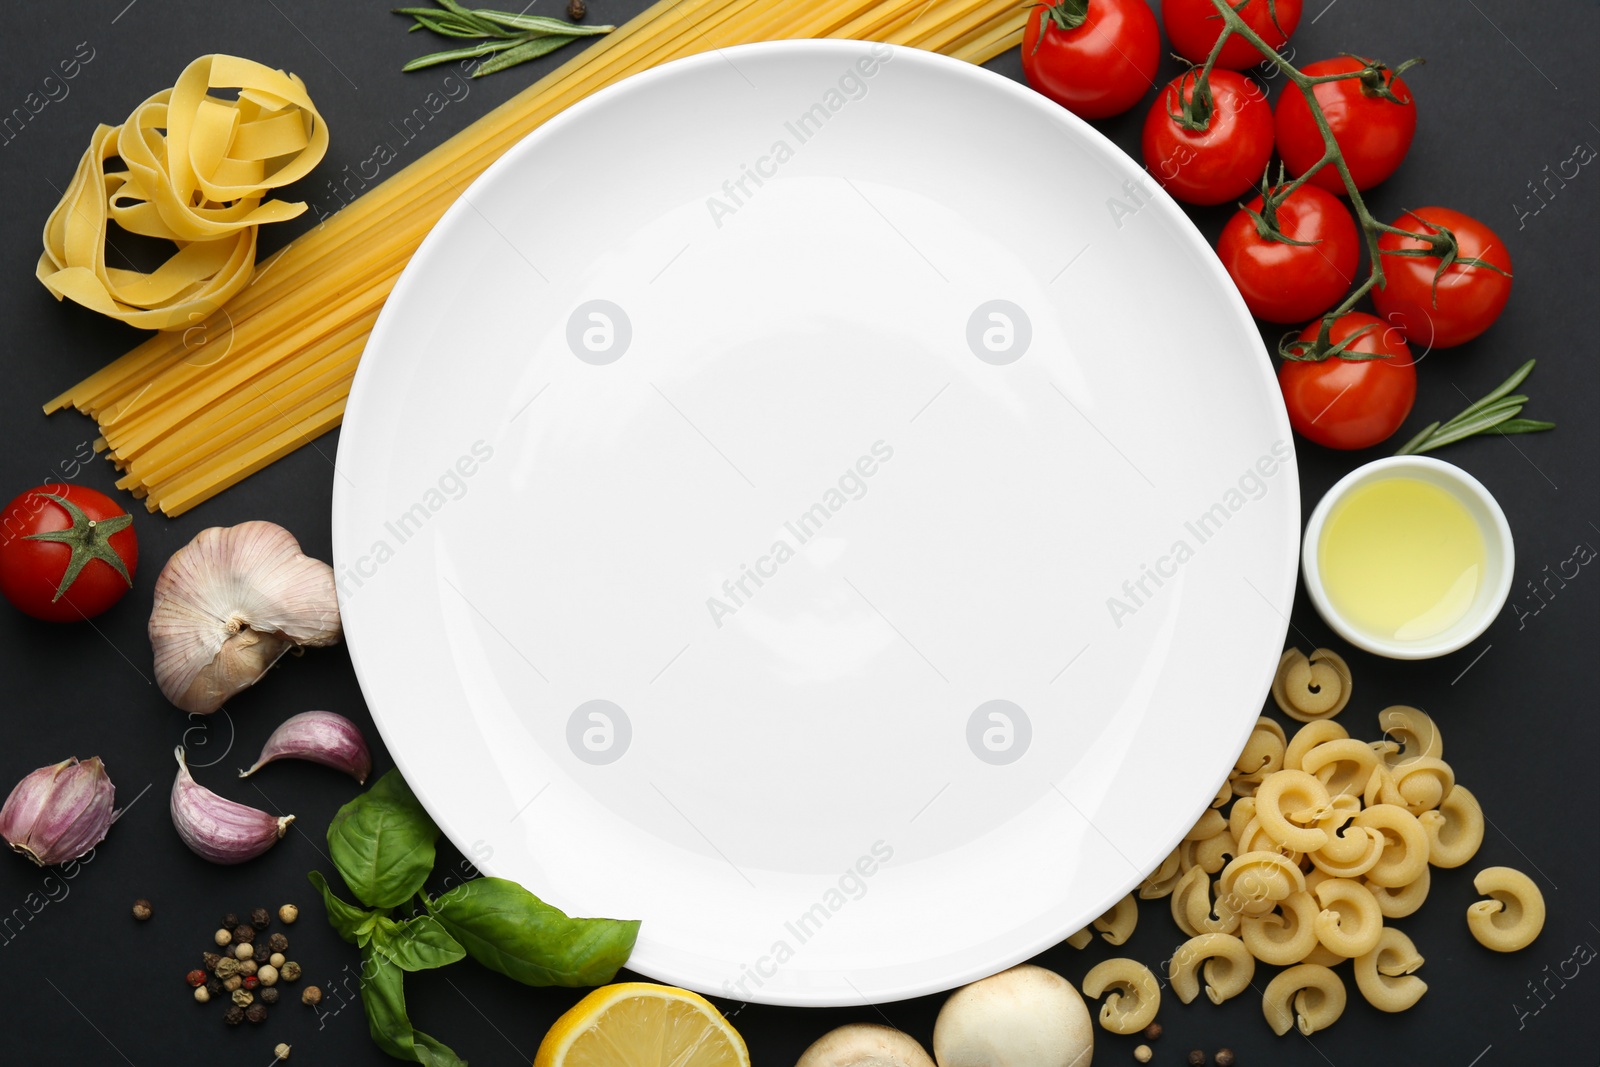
1024, 1017
229, 604
865, 1045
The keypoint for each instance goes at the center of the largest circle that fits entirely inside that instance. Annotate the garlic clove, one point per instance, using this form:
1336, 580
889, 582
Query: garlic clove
229, 604
216, 828
321, 737
60, 812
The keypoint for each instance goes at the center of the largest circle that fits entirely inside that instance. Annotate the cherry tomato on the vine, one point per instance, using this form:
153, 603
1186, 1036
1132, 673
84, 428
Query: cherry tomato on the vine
1193, 26
1346, 403
1373, 117
66, 552
1224, 160
1096, 58
1289, 283
1449, 308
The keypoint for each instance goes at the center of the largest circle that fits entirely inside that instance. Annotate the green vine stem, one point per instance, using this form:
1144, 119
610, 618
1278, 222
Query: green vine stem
1377, 79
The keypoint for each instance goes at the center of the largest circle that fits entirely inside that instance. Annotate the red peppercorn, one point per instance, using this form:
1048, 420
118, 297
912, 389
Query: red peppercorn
251, 981
196, 978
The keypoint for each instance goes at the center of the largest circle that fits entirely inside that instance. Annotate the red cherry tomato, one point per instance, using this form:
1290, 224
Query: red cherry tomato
1456, 306
1344, 403
1193, 25
1221, 162
1102, 64
1286, 282
66, 552
1373, 131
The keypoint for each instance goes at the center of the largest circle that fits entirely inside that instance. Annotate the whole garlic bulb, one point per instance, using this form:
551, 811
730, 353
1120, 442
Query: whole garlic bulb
229, 604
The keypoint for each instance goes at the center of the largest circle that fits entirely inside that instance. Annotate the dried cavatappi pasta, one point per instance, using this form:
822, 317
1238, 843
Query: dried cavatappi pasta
1116, 925
1454, 830
1228, 965
1384, 975
1307, 996
1306, 689
1134, 994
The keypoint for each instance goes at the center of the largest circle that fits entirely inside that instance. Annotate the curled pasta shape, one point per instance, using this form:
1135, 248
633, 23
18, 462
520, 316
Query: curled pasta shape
1287, 798
1081, 940
1308, 689
1256, 839
1307, 996
1254, 883
1424, 783
197, 169
1309, 737
1315, 877
1239, 816
1134, 994
1455, 830
1283, 937
1159, 882
1210, 825
1381, 788
1514, 915
1406, 848
1193, 909
1263, 754
1349, 923
1344, 765
1224, 793
1385, 975
1116, 925
1229, 967
1351, 854
1413, 733
1398, 902
1322, 956
1212, 854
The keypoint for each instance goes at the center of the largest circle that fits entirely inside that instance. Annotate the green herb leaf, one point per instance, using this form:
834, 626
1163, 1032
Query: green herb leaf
418, 944
508, 929
1494, 413
520, 54
384, 999
1522, 426
353, 924
540, 23
450, 56
382, 843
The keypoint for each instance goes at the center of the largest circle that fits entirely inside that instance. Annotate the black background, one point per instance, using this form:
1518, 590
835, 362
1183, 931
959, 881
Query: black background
1508, 89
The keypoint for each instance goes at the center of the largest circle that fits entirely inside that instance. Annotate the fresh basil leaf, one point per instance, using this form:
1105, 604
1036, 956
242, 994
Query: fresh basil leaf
508, 929
353, 924
417, 944
384, 999
382, 843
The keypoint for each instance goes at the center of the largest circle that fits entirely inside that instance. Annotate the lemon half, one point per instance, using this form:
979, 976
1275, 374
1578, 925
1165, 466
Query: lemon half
637, 1024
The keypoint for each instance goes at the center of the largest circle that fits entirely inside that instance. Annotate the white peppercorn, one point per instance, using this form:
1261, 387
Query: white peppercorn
276, 959
202, 994
288, 913
268, 975
222, 937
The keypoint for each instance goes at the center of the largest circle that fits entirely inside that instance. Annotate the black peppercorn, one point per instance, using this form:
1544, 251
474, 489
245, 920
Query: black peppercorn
244, 934
234, 1015
267, 994
1224, 1057
256, 1013
1197, 1059
214, 986
260, 918
1152, 1032
142, 909
278, 943
576, 9
211, 958
229, 921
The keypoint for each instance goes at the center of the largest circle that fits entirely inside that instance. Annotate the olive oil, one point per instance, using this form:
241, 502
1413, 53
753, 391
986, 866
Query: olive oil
1401, 559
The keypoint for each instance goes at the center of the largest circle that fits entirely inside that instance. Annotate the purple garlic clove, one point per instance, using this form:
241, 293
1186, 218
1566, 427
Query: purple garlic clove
216, 828
58, 813
321, 737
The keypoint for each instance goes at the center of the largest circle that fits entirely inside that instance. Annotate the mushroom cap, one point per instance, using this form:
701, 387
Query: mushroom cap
865, 1045
1024, 1017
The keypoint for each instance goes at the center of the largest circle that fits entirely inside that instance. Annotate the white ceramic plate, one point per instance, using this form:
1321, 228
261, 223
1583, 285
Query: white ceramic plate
863, 575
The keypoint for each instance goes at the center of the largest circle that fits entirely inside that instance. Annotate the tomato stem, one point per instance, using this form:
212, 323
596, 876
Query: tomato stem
88, 539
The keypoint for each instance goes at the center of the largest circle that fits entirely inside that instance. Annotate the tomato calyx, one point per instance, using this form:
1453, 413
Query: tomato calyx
1266, 220
1375, 78
1197, 106
1323, 347
89, 539
1064, 15
1441, 242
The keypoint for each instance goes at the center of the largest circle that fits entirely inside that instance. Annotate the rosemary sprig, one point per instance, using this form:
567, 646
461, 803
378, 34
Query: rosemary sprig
507, 37
1494, 413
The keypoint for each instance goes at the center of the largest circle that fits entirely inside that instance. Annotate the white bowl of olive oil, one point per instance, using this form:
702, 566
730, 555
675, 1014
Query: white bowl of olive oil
1408, 557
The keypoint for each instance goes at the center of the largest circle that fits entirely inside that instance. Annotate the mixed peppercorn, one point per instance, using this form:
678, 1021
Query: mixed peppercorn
247, 966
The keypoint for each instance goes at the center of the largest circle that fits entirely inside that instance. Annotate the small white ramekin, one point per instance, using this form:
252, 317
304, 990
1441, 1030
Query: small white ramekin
1500, 556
